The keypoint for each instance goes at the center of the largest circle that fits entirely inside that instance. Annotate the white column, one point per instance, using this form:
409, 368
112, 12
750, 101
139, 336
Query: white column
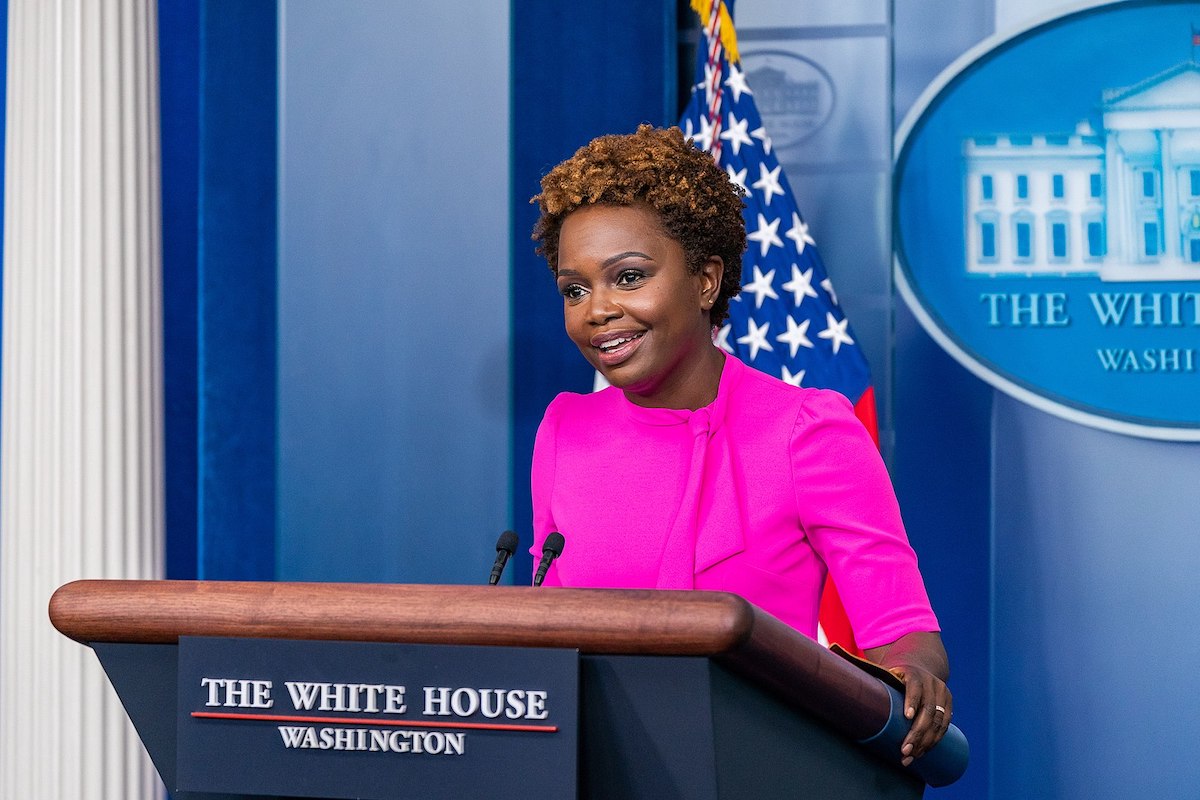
1118, 223
1172, 252
81, 486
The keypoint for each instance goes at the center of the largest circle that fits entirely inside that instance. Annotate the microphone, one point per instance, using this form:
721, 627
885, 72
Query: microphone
551, 549
506, 545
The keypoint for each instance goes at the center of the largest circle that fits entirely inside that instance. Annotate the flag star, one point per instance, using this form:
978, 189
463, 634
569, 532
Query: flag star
800, 285
798, 233
735, 133
835, 332
794, 380
796, 335
827, 285
766, 235
687, 128
703, 139
761, 286
768, 181
756, 339
761, 135
722, 340
737, 83
738, 178
707, 85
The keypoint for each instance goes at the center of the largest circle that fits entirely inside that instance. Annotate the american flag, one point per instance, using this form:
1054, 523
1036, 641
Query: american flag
787, 321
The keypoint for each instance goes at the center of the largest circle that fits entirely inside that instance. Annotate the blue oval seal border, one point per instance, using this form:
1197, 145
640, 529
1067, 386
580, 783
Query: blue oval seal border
1047, 215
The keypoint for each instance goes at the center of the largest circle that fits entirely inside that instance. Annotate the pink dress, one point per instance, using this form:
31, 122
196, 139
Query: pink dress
757, 493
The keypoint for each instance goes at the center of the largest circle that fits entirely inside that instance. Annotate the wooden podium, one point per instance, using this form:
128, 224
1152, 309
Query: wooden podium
682, 694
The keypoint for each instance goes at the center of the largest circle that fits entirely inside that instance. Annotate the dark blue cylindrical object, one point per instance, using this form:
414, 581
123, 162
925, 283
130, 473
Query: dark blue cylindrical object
942, 765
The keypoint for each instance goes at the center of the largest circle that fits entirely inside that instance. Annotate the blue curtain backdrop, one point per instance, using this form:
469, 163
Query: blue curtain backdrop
217, 94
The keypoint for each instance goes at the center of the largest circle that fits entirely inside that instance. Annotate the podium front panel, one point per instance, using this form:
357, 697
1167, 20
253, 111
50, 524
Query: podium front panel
378, 721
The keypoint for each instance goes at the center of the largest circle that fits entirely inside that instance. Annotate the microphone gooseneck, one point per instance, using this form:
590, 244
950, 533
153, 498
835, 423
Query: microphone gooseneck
551, 549
506, 545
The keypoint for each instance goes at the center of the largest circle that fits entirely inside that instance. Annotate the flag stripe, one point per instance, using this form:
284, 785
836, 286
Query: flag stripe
864, 409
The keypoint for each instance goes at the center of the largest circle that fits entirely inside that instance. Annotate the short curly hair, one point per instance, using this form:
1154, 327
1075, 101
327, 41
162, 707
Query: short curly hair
696, 203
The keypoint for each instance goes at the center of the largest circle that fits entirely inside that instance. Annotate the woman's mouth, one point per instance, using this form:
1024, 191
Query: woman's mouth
615, 349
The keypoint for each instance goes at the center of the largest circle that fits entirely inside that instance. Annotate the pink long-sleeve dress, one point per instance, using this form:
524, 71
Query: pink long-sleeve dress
761, 493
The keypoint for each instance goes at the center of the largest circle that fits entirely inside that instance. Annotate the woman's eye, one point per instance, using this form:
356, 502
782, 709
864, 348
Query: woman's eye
628, 277
572, 291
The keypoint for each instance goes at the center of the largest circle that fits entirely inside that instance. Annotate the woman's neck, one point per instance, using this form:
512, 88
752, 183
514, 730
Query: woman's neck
690, 386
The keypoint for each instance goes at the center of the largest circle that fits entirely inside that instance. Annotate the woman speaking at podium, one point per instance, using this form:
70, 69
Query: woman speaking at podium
693, 470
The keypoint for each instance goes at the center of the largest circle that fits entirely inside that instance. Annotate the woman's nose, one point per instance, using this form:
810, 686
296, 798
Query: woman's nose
603, 306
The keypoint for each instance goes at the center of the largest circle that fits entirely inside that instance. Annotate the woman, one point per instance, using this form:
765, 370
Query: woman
693, 470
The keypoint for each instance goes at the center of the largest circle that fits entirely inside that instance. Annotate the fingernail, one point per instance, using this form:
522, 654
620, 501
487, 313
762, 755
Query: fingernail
906, 762
909, 712
907, 749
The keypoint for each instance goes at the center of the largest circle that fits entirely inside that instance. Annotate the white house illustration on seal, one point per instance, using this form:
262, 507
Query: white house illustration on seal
1122, 204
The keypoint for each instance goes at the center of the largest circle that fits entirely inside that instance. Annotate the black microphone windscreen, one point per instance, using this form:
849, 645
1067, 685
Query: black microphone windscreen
551, 549
507, 542
554, 544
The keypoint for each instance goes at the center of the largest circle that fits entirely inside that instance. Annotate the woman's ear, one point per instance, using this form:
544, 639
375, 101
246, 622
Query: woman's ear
711, 273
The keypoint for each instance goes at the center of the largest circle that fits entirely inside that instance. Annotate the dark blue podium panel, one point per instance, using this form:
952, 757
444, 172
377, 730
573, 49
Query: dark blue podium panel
685, 728
375, 720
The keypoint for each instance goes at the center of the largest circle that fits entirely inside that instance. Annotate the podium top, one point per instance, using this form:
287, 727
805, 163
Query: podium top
718, 625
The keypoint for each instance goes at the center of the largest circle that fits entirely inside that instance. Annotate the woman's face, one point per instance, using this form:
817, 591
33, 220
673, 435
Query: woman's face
633, 308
